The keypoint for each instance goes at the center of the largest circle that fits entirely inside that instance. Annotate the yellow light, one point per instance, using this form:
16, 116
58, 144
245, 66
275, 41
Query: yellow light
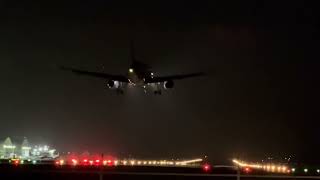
131, 70
284, 168
191, 161
125, 162
61, 162
144, 162
132, 162
279, 168
139, 162
105, 162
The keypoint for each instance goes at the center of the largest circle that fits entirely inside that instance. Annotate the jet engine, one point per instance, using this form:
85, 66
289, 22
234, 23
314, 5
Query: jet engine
168, 84
113, 84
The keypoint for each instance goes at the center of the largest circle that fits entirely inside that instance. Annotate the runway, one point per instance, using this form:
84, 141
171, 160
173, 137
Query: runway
111, 174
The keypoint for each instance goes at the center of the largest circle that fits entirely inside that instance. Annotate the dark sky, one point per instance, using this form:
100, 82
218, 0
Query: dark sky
260, 98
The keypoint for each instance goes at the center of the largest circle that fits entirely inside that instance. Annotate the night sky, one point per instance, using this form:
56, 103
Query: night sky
260, 96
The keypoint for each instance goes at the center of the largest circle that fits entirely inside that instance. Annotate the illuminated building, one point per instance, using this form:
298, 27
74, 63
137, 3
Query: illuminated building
43, 152
25, 149
8, 150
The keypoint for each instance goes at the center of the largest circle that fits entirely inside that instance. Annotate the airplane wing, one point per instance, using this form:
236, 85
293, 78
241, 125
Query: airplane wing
173, 77
97, 74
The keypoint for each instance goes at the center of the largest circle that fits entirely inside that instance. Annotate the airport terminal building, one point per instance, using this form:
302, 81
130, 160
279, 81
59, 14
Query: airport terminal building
10, 150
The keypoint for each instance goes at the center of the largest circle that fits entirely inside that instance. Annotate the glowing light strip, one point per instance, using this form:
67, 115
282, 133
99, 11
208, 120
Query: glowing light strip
190, 161
268, 167
9, 146
26, 148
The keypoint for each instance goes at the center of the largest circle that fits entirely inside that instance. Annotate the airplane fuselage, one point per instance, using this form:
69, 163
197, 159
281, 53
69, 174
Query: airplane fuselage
138, 73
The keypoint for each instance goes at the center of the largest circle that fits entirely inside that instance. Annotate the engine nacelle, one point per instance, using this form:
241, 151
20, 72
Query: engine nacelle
168, 84
113, 84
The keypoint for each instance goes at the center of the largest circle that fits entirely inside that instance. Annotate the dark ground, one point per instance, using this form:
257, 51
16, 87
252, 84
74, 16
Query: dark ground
36, 172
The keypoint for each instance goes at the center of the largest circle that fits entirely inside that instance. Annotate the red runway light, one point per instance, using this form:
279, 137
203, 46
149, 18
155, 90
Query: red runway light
110, 163
247, 170
206, 167
16, 162
97, 162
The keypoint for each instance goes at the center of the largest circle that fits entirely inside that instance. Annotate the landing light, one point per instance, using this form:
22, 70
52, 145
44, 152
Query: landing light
131, 70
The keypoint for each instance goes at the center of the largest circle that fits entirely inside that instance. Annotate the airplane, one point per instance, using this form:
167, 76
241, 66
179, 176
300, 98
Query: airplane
139, 75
